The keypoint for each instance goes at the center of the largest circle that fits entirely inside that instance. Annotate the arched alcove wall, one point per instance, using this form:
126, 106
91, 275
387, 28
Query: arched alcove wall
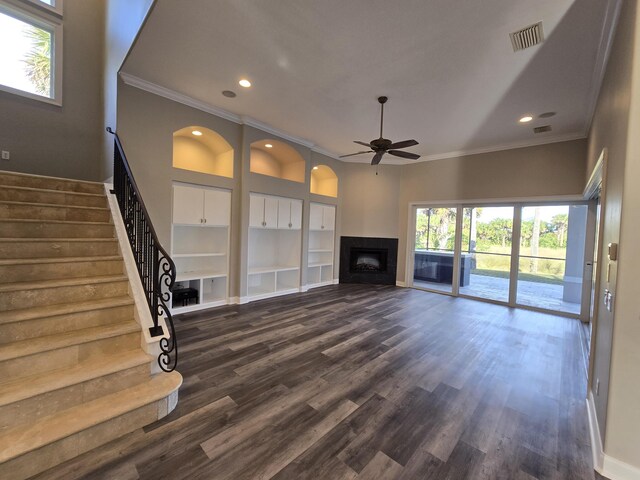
324, 181
280, 160
206, 153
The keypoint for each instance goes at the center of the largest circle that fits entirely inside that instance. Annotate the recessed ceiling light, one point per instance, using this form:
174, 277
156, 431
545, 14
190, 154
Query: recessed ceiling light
197, 133
268, 145
229, 93
245, 83
547, 114
526, 119
315, 168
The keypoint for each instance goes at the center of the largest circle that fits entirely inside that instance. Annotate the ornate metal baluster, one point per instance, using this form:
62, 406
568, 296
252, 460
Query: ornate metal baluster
155, 267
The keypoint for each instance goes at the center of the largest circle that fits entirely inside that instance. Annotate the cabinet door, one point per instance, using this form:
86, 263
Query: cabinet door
187, 205
315, 217
256, 211
329, 218
217, 207
296, 214
284, 213
271, 212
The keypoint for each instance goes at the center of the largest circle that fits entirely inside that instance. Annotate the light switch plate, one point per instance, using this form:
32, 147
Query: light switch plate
6, 155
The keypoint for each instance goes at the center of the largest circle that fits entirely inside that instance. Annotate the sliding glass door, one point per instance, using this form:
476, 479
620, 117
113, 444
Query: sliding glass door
551, 262
433, 262
520, 254
485, 261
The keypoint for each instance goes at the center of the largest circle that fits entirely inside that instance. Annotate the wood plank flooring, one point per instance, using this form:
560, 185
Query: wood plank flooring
364, 382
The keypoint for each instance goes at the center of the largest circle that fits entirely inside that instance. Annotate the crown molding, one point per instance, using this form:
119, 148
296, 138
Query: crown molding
183, 99
178, 97
607, 36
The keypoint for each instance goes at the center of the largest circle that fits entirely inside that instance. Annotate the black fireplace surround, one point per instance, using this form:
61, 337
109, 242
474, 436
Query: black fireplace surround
368, 260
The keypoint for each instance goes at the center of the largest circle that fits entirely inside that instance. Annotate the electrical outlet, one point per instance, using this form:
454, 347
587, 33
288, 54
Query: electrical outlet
6, 155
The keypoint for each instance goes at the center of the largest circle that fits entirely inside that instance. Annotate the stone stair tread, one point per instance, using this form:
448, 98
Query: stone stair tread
34, 385
52, 205
38, 261
62, 309
49, 190
26, 438
48, 177
66, 282
36, 220
54, 240
31, 346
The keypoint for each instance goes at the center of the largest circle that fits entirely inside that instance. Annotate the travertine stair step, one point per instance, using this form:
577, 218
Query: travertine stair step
27, 228
27, 450
27, 323
14, 296
33, 269
49, 183
46, 211
34, 397
64, 350
57, 247
57, 197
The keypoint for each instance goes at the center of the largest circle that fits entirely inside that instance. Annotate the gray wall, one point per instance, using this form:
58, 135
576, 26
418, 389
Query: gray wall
62, 141
615, 127
379, 205
146, 123
123, 20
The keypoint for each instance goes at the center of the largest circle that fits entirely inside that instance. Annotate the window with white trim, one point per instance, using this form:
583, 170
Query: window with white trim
31, 49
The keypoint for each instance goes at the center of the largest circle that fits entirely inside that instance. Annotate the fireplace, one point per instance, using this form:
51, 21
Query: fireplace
368, 260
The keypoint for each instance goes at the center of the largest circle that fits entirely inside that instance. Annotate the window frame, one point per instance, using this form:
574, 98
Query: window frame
47, 18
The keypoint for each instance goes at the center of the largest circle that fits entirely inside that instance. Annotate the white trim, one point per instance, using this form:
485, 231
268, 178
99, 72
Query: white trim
607, 36
149, 344
400, 284
184, 99
604, 464
321, 284
507, 201
198, 306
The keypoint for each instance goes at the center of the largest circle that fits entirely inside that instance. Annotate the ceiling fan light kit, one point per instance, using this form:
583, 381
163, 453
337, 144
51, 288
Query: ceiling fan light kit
382, 145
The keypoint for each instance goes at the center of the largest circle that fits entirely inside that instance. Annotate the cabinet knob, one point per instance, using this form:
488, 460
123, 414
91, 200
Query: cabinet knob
264, 224
322, 227
201, 220
290, 224
205, 220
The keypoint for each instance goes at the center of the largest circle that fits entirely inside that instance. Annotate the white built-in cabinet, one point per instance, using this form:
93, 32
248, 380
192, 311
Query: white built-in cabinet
322, 220
275, 243
200, 244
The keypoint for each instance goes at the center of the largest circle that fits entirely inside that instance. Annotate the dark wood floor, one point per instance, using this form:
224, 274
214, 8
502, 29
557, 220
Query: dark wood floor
361, 382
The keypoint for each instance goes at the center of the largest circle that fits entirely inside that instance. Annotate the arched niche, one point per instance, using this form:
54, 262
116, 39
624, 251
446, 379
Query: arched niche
279, 160
208, 152
324, 181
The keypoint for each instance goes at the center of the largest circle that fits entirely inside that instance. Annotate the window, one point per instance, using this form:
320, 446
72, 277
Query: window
31, 50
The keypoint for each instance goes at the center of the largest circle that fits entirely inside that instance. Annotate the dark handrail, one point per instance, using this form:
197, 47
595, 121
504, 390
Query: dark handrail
155, 266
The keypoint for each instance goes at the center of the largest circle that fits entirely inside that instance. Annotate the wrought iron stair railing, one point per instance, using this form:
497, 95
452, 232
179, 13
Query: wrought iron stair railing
155, 267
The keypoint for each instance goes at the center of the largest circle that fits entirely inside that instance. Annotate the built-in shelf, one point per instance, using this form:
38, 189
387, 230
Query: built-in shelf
200, 245
275, 243
320, 254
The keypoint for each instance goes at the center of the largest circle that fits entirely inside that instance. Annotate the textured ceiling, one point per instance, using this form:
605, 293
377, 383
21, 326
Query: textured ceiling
447, 66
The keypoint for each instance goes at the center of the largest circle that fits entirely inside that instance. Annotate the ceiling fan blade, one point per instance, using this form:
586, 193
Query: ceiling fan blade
358, 153
405, 144
362, 143
400, 153
377, 157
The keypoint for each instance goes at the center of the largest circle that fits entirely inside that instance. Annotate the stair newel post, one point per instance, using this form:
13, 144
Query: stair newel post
155, 267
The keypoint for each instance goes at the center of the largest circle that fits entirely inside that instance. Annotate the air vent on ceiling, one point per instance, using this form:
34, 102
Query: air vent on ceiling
527, 37
543, 129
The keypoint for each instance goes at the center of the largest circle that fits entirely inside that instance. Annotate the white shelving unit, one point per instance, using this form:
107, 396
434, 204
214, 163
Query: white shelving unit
200, 244
275, 240
320, 255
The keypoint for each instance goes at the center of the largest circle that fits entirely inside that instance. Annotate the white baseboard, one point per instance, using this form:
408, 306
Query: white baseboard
400, 284
604, 464
234, 300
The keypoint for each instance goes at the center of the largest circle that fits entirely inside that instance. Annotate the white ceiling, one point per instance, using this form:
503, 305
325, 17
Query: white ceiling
447, 66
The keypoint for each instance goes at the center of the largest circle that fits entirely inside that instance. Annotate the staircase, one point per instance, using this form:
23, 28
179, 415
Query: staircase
73, 374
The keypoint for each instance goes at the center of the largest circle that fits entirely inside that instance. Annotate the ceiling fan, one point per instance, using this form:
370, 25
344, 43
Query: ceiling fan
380, 146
